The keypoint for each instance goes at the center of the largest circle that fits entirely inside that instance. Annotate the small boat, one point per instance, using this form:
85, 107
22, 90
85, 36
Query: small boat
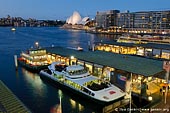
78, 48
77, 79
13, 29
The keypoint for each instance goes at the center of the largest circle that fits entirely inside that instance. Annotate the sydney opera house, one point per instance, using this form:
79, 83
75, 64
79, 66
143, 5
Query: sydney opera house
75, 21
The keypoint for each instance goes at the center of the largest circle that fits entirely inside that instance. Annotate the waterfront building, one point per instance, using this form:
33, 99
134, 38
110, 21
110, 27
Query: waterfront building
139, 48
135, 22
111, 66
145, 21
144, 74
106, 19
152, 19
125, 20
75, 21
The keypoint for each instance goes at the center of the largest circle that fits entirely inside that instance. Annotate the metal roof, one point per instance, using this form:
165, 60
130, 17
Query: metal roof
129, 63
9, 103
145, 45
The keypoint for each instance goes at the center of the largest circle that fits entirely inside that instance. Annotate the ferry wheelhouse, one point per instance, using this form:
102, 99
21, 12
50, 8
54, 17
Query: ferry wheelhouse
77, 79
34, 59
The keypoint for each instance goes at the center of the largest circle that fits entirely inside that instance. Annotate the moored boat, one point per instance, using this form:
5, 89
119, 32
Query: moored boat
34, 59
78, 48
77, 79
137, 39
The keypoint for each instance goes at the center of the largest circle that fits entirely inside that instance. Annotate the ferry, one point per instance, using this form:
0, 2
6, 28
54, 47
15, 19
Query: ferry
77, 79
77, 48
137, 39
34, 59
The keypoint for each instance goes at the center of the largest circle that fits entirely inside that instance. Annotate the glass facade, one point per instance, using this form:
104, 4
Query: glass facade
106, 19
154, 20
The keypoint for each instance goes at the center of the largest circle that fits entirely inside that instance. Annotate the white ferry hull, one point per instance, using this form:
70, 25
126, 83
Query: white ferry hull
56, 82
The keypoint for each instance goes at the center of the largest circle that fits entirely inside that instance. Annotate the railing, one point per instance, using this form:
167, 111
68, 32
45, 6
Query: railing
115, 106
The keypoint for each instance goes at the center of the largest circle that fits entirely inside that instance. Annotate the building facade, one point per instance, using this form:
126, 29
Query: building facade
154, 21
106, 19
125, 20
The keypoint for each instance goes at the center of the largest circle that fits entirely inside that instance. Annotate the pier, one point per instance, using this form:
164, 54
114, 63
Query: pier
122, 70
9, 103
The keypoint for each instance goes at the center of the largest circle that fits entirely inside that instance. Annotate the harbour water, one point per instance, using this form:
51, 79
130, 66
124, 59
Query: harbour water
38, 95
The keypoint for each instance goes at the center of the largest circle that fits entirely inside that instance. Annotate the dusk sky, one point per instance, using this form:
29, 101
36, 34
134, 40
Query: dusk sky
62, 9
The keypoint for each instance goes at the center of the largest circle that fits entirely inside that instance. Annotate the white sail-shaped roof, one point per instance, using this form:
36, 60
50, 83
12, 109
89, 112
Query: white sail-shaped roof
74, 19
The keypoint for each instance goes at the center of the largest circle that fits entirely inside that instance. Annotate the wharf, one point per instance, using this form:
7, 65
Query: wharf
9, 103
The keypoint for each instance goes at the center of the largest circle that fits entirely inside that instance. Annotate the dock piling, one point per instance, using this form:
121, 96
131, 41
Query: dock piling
16, 62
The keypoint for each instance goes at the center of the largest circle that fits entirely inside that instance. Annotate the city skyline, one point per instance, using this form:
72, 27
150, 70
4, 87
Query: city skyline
63, 9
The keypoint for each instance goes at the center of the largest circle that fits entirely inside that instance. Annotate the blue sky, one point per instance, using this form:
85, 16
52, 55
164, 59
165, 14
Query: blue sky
61, 9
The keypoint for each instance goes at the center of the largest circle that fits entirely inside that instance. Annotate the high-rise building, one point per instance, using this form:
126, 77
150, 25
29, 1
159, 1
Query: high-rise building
106, 19
141, 19
152, 20
125, 20
160, 19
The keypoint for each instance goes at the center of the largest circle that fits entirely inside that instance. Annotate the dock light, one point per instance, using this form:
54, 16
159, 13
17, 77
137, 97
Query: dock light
72, 57
36, 44
140, 78
150, 98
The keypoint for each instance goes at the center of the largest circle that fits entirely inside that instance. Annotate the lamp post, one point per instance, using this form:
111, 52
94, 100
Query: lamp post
166, 66
130, 101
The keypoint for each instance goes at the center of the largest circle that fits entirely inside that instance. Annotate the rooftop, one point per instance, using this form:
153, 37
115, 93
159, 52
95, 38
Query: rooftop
133, 64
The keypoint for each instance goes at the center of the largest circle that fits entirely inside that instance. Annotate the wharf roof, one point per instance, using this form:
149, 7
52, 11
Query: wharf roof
129, 63
145, 45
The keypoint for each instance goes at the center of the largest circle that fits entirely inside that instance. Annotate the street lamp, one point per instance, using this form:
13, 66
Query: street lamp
150, 98
36, 44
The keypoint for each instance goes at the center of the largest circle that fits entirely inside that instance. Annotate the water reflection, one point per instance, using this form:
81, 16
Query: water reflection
75, 38
35, 82
74, 105
34, 93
